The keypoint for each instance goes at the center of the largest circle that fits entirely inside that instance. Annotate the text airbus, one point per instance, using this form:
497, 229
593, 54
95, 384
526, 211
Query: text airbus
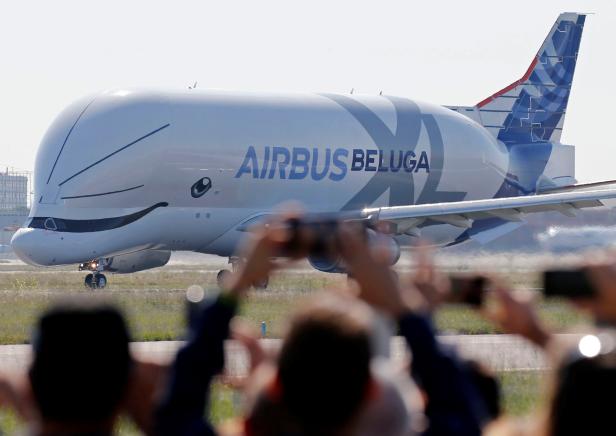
297, 163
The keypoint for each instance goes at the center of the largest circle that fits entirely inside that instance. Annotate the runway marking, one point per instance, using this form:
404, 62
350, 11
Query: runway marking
499, 352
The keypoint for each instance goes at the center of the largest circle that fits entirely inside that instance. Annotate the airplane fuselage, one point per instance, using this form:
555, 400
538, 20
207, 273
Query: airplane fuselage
129, 176
200, 164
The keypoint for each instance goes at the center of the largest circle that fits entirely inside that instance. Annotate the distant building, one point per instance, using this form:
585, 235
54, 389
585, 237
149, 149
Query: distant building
15, 187
15, 200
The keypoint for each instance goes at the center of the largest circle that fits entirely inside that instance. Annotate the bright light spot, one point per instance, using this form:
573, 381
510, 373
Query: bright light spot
590, 346
607, 342
195, 293
122, 93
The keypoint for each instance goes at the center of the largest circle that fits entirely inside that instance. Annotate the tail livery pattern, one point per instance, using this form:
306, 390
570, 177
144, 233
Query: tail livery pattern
532, 109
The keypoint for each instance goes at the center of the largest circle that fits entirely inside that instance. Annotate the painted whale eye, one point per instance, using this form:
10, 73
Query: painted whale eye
200, 187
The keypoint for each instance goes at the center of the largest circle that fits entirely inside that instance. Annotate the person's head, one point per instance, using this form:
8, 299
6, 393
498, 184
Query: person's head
80, 365
582, 401
323, 374
394, 407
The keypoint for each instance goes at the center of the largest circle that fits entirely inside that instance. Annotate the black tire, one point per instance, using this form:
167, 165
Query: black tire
261, 286
89, 281
222, 277
101, 281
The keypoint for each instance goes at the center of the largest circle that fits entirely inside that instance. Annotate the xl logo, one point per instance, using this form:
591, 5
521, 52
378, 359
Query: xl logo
409, 121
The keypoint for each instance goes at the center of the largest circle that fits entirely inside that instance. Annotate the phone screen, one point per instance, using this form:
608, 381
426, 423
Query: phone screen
567, 283
468, 290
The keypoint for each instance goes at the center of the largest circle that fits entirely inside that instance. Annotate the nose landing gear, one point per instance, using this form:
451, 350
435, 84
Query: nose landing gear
96, 279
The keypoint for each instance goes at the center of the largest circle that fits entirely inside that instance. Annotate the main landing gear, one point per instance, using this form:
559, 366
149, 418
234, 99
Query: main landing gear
96, 279
224, 274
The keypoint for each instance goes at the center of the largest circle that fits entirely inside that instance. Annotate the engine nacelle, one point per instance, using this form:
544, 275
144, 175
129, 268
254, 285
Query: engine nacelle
384, 244
327, 265
137, 261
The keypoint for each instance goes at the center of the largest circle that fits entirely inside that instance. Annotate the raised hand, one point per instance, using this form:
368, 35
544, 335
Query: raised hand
258, 253
378, 285
431, 284
516, 316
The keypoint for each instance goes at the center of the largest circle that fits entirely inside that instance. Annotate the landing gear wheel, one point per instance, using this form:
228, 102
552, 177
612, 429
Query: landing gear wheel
89, 280
262, 285
221, 277
101, 281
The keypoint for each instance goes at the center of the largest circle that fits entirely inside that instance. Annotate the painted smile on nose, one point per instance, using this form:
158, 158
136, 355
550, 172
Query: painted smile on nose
90, 225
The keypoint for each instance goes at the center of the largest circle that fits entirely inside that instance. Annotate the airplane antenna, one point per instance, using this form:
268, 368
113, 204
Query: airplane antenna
352, 89
193, 87
381, 93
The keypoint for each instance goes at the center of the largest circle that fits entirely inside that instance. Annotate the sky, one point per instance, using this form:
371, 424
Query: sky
444, 52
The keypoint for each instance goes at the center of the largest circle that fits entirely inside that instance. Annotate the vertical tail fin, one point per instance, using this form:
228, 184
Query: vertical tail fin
532, 109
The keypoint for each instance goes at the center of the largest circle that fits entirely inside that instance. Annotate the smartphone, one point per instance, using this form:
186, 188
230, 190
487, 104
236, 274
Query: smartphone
567, 283
315, 236
467, 289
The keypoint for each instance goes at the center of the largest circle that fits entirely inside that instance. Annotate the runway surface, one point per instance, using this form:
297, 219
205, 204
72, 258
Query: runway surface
499, 352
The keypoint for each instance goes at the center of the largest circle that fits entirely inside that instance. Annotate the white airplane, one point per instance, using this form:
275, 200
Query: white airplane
126, 177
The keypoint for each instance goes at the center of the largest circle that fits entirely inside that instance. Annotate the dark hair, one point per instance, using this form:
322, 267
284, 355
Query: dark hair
268, 417
583, 402
324, 366
81, 363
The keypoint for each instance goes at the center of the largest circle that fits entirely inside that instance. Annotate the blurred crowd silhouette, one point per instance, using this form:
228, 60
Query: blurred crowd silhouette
332, 375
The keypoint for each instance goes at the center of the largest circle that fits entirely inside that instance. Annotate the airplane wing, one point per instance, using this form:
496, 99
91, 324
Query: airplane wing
405, 219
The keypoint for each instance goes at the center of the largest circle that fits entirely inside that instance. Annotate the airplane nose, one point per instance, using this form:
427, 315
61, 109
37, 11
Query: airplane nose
25, 243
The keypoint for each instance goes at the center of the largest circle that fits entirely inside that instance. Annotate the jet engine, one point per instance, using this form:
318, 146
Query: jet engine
137, 261
385, 244
324, 264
